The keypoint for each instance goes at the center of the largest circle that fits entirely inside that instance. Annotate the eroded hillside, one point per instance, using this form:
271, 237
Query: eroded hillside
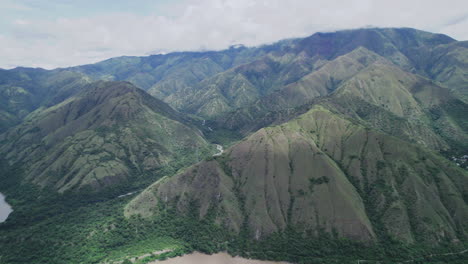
321, 171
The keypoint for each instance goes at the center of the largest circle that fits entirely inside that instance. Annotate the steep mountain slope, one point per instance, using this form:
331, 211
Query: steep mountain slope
320, 82
369, 88
209, 83
406, 47
321, 171
246, 83
23, 90
163, 75
242, 85
449, 65
287, 64
108, 134
403, 104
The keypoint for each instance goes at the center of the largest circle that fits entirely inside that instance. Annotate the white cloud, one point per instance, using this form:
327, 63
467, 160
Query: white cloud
11, 5
212, 24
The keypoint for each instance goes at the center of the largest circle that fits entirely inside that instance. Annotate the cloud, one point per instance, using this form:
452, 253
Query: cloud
63, 41
10, 5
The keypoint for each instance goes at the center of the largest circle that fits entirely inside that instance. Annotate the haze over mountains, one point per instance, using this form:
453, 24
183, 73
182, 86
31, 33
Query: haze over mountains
347, 134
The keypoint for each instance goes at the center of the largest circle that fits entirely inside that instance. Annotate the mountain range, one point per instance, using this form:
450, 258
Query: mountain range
350, 135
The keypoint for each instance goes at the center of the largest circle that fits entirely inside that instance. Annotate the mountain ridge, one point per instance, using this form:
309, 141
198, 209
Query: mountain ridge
104, 132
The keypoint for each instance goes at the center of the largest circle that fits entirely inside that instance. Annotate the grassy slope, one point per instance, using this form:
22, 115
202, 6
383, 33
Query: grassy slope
209, 83
347, 179
319, 82
212, 83
164, 75
246, 83
108, 134
449, 66
371, 89
403, 105
24, 90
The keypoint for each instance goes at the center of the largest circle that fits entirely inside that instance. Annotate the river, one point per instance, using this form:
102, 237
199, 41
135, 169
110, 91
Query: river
220, 258
220, 150
5, 209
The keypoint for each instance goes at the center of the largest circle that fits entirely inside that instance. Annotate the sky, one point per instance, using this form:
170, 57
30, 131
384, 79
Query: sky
62, 33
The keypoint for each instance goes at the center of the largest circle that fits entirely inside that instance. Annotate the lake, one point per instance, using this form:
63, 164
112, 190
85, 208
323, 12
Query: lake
5, 209
220, 258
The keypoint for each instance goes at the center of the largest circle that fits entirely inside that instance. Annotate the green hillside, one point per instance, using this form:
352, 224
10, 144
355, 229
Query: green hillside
322, 171
110, 133
23, 90
371, 89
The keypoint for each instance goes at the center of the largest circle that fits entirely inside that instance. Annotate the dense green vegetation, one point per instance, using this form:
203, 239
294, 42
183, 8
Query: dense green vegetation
66, 230
47, 227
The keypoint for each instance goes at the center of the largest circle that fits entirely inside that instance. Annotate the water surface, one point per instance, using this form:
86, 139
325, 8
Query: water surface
5, 209
220, 258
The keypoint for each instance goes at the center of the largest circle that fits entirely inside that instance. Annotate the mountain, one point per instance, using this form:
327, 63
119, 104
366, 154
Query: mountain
335, 148
108, 134
245, 83
230, 78
404, 105
369, 88
23, 90
163, 74
288, 63
222, 85
448, 66
322, 171
317, 83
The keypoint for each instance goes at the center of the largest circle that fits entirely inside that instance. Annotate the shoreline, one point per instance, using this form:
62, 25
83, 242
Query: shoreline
5, 209
218, 258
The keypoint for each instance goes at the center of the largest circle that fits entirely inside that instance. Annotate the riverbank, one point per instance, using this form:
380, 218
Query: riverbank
5, 209
219, 258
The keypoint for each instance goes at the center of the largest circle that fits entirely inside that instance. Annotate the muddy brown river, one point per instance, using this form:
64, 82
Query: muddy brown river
220, 258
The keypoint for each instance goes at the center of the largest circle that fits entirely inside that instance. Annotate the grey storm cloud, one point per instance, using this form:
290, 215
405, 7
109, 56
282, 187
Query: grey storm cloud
209, 24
